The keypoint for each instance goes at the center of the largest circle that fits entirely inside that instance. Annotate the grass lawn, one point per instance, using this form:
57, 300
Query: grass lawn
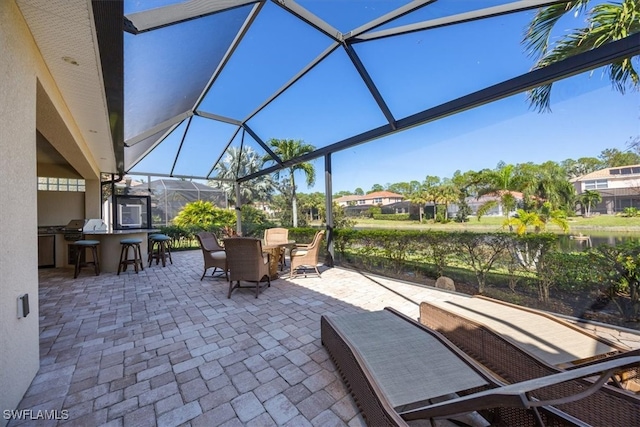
609, 222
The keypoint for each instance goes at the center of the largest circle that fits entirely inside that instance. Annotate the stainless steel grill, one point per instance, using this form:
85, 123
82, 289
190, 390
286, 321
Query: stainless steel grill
76, 228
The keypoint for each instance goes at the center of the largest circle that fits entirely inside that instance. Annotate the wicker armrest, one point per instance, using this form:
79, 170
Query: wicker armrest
517, 395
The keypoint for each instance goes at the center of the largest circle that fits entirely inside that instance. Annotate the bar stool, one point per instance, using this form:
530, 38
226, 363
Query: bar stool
160, 249
124, 255
81, 246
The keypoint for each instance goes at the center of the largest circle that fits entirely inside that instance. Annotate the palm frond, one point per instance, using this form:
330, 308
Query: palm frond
538, 32
607, 22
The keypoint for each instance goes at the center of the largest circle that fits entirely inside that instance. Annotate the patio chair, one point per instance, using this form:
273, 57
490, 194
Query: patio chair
213, 254
277, 236
246, 262
306, 256
400, 372
514, 362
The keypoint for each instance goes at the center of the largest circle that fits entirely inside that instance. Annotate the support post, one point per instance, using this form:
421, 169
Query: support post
329, 209
238, 209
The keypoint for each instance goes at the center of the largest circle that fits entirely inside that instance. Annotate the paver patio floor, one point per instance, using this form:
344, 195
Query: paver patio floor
164, 348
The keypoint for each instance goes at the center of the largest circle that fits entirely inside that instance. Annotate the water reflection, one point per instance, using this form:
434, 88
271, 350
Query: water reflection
580, 242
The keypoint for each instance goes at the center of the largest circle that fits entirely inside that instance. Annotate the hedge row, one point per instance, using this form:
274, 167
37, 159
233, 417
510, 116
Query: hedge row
392, 217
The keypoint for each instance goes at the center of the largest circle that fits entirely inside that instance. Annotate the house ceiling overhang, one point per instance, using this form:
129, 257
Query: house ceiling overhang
72, 37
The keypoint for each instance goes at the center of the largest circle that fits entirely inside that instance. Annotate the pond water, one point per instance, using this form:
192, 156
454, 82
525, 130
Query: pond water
577, 242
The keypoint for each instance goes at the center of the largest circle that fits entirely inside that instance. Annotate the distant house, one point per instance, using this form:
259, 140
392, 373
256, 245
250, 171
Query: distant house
498, 210
377, 198
358, 205
619, 188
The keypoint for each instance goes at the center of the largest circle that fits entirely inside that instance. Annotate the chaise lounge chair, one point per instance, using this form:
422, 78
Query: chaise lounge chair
512, 355
401, 373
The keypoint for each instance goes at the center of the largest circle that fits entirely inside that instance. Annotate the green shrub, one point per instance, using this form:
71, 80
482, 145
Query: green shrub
254, 222
205, 215
392, 217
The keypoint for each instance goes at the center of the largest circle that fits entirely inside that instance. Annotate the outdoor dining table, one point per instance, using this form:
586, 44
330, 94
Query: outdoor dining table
274, 251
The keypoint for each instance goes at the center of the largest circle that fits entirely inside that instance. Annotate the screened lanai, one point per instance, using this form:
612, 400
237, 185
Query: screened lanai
201, 77
169, 196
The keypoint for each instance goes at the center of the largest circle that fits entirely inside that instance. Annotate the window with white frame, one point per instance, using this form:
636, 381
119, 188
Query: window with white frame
60, 184
596, 184
377, 200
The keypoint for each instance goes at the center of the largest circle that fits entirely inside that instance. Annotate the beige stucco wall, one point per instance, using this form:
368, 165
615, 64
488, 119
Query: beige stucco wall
29, 100
19, 353
49, 202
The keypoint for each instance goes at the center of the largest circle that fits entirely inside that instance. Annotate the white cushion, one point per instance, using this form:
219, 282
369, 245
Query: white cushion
219, 255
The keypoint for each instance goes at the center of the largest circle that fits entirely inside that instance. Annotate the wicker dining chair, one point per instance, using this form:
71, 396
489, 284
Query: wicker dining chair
305, 257
213, 254
246, 262
277, 236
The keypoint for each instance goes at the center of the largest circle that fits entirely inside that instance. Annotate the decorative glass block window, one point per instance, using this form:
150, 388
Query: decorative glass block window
596, 184
60, 184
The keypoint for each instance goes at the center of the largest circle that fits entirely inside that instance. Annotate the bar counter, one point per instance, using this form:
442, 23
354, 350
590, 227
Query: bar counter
110, 247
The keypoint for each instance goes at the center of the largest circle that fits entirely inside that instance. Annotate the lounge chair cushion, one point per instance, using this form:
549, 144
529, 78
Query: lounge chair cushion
410, 366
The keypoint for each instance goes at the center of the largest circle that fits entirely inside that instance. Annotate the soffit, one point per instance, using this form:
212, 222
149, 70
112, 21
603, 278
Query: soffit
64, 32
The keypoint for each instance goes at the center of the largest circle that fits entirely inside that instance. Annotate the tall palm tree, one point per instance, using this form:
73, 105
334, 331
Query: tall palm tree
446, 194
606, 22
238, 163
288, 149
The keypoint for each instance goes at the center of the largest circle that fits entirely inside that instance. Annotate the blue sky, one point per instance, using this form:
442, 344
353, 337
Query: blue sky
413, 72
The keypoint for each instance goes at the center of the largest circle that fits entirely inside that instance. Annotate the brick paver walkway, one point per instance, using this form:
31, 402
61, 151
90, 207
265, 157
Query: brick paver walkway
164, 348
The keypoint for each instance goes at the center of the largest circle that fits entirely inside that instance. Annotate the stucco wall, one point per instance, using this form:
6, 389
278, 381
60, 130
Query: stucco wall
49, 202
19, 352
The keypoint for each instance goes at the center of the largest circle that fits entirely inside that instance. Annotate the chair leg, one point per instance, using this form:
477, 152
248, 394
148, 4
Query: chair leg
150, 260
122, 255
78, 256
96, 262
231, 287
203, 274
135, 258
140, 257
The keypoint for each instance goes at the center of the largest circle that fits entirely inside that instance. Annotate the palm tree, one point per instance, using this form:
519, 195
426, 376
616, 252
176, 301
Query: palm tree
607, 22
288, 149
590, 198
238, 163
446, 194
523, 221
499, 182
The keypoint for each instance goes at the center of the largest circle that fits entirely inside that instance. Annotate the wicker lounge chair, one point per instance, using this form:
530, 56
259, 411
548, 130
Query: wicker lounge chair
305, 257
277, 236
510, 359
246, 262
212, 253
401, 372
